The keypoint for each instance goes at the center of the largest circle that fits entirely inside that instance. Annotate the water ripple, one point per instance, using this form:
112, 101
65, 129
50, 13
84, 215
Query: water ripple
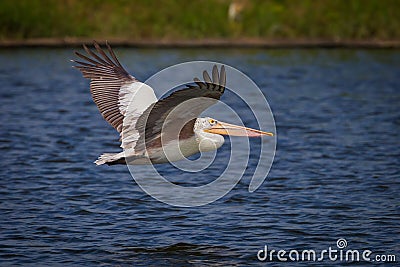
336, 172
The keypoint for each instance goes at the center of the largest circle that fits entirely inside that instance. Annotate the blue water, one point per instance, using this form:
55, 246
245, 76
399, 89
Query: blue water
335, 175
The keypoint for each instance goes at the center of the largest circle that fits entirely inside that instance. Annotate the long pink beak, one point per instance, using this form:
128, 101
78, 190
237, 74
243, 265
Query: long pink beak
224, 128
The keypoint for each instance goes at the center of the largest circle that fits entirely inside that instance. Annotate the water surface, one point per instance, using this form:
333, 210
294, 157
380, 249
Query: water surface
335, 175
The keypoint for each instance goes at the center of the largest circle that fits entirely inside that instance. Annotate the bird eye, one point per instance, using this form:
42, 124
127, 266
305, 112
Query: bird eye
212, 121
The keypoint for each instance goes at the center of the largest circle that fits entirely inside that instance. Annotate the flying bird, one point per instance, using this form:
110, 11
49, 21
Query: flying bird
155, 131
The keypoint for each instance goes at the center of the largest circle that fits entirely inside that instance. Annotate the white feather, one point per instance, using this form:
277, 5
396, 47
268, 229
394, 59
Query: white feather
134, 99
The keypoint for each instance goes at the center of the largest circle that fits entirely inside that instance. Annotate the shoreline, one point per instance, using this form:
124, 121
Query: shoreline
204, 43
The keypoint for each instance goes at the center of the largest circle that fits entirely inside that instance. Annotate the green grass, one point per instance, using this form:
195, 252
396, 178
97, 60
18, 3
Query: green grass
285, 19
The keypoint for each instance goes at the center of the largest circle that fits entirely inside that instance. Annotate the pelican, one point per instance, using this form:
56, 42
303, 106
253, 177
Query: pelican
155, 131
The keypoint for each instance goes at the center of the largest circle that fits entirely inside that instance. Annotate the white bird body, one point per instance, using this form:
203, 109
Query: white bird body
156, 131
174, 150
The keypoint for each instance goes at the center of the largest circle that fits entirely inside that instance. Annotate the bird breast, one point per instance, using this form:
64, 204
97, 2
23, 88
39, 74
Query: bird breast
208, 141
175, 150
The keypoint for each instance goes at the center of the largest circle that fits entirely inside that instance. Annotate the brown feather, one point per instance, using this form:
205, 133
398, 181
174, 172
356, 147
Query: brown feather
107, 76
154, 119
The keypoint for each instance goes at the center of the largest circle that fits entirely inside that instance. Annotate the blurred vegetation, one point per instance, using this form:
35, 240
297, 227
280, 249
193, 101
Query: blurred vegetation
182, 19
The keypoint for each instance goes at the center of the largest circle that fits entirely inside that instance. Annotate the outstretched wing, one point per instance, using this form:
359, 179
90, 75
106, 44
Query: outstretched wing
167, 117
113, 89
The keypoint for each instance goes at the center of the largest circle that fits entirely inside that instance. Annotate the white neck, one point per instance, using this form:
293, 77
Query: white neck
208, 141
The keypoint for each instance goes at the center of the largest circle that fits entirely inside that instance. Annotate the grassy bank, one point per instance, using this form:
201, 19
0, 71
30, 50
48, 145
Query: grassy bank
141, 19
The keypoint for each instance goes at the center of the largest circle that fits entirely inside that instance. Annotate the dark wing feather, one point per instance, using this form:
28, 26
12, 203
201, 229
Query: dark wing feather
165, 116
107, 76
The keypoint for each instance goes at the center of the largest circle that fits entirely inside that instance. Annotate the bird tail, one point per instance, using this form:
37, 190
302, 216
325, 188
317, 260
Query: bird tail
111, 159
